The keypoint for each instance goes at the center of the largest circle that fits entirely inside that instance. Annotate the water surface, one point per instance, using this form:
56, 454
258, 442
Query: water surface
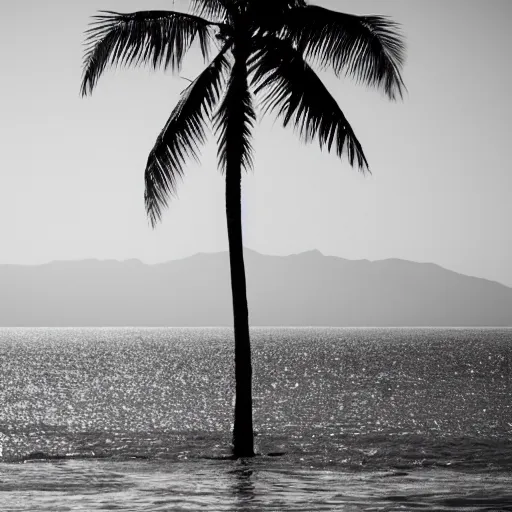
362, 419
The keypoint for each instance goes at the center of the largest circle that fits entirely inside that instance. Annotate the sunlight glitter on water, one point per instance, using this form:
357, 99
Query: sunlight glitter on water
389, 419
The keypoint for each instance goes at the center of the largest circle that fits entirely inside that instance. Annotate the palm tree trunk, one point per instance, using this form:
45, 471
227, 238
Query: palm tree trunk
243, 437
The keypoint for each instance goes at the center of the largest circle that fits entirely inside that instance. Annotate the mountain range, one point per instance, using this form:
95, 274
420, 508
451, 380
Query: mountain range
307, 289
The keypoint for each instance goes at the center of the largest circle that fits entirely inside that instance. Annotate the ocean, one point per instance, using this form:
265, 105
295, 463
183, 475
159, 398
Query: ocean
346, 419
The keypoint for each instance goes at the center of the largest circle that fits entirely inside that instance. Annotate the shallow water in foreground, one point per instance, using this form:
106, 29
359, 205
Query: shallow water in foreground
367, 419
237, 486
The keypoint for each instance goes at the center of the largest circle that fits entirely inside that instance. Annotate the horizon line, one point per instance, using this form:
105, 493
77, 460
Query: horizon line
230, 327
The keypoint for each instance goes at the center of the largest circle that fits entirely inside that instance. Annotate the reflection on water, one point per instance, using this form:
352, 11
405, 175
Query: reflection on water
244, 486
140, 419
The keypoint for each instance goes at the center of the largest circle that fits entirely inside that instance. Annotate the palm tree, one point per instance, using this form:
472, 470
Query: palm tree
264, 50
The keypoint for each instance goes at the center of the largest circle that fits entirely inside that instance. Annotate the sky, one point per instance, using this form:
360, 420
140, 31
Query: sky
71, 168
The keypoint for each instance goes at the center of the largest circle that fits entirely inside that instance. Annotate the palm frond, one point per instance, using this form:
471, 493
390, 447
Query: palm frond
234, 121
267, 16
288, 86
182, 135
160, 38
211, 9
368, 48
272, 7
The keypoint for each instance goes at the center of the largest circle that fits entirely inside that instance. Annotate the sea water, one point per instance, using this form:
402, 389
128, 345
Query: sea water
345, 419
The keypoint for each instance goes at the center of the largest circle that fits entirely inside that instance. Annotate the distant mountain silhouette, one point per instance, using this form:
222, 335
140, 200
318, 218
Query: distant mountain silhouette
306, 289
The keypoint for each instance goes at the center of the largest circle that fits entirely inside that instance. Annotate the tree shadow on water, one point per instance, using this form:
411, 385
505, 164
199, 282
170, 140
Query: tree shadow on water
243, 489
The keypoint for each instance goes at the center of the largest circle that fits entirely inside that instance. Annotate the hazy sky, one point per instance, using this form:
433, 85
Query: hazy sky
71, 169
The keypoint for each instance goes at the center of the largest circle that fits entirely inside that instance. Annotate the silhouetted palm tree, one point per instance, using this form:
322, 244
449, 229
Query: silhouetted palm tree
264, 49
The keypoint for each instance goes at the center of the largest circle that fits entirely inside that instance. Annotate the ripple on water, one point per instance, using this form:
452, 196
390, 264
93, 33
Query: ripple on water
249, 486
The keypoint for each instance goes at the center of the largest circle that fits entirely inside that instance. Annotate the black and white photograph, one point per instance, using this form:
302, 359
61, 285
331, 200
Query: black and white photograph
256, 255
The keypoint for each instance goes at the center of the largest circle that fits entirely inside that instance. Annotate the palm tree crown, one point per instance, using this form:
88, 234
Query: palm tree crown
264, 51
